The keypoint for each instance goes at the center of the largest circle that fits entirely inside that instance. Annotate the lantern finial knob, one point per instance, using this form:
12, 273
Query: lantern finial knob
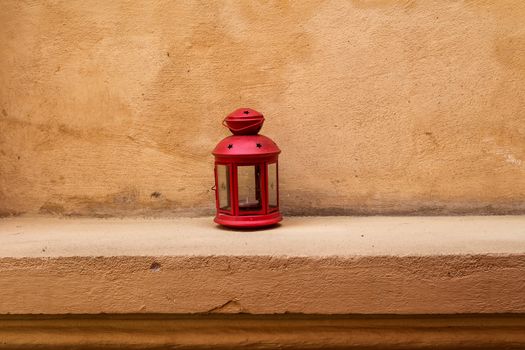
244, 121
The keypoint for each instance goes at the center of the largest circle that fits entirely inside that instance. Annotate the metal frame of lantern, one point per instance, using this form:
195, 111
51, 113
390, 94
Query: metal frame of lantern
246, 150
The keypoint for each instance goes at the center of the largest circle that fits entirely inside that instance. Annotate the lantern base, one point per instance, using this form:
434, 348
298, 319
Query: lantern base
248, 221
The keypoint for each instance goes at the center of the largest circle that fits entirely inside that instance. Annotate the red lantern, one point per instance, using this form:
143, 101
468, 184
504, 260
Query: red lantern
246, 173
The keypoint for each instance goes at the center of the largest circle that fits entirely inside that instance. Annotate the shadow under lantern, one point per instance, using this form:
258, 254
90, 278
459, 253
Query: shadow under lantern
246, 173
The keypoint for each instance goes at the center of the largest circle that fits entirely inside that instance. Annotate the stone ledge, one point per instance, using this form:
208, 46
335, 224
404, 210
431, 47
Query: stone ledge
316, 265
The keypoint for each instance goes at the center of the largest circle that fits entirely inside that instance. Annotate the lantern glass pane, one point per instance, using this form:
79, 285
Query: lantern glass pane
223, 186
272, 185
249, 185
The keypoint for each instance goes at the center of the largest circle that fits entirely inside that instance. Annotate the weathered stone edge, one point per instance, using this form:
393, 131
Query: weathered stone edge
447, 284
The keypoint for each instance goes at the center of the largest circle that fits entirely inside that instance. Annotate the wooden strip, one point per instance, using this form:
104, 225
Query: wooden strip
262, 332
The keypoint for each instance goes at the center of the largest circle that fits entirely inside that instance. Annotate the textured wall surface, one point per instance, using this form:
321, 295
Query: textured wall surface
113, 107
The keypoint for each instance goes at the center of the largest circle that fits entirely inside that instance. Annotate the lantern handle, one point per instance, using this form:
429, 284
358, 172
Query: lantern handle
244, 127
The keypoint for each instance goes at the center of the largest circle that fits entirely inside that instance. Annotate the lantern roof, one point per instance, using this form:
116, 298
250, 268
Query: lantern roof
244, 121
246, 146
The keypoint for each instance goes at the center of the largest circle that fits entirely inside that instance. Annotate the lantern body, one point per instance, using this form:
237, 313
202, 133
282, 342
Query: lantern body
246, 174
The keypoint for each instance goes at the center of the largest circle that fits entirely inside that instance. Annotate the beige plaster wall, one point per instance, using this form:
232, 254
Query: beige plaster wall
113, 107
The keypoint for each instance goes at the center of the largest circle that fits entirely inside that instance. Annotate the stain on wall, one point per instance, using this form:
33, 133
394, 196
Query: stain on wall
380, 107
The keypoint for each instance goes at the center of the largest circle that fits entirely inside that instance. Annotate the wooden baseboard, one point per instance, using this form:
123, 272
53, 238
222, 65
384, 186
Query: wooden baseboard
262, 332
